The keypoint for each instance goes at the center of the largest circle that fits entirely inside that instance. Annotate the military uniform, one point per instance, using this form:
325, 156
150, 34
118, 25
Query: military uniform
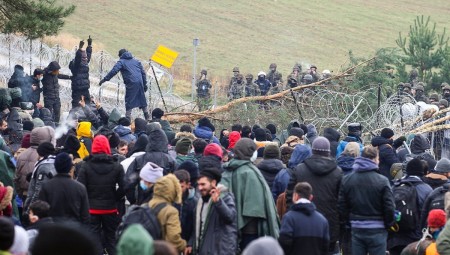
251, 89
203, 93
275, 78
233, 79
237, 88
420, 95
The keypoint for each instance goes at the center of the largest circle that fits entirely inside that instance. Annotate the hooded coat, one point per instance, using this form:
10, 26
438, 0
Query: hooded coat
387, 155
168, 190
285, 134
253, 196
311, 135
19, 79
206, 134
27, 159
324, 176
140, 127
125, 133
46, 116
50, 82
333, 136
85, 135
135, 240
269, 169
165, 126
156, 152
345, 162
134, 78
80, 70
419, 149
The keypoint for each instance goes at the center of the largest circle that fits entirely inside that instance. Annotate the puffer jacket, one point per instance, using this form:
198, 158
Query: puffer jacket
80, 71
125, 133
19, 79
28, 158
269, 169
46, 116
206, 134
44, 171
156, 152
50, 83
167, 190
85, 135
346, 163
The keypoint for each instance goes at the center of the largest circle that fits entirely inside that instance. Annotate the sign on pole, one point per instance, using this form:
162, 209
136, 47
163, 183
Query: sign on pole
164, 56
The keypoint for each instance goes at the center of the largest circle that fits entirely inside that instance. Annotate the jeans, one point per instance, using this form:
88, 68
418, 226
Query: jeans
369, 241
104, 226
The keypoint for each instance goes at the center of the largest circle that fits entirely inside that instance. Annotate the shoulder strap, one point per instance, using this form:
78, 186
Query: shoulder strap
158, 208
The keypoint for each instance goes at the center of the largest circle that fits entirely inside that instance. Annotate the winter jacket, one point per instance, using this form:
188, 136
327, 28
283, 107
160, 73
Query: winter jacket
156, 152
125, 133
253, 197
443, 241
426, 199
85, 135
264, 85
165, 126
50, 83
341, 146
269, 169
311, 135
135, 240
127, 162
365, 195
43, 172
333, 137
402, 238
167, 190
304, 231
435, 180
80, 70
181, 158
134, 78
323, 174
186, 210
346, 163
419, 149
67, 198
46, 116
35, 94
20, 80
100, 173
220, 231
206, 134
28, 158
387, 155
285, 133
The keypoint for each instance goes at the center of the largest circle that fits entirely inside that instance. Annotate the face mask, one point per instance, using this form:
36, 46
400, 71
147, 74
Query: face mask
143, 186
254, 156
40, 78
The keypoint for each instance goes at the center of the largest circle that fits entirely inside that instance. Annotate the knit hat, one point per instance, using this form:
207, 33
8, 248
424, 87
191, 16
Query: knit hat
272, 128
38, 123
6, 234
321, 146
298, 132
286, 153
21, 241
436, 218
442, 166
151, 172
352, 149
28, 125
415, 167
6, 196
72, 144
122, 51
205, 122
124, 121
63, 163
244, 149
304, 128
100, 145
26, 141
260, 134
208, 162
214, 150
233, 138
192, 169
183, 146
45, 149
212, 173
387, 133
157, 113
114, 140
272, 151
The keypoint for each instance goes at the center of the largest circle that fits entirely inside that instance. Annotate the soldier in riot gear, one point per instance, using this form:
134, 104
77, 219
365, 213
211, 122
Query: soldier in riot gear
446, 91
203, 93
237, 88
291, 81
308, 79
233, 79
251, 89
263, 83
420, 93
407, 88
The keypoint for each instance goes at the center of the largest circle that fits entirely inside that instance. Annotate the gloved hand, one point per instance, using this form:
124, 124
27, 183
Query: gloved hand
397, 215
145, 88
89, 40
80, 46
399, 142
101, 82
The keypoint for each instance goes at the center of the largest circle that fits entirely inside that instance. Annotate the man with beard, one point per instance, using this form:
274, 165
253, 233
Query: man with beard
215, 217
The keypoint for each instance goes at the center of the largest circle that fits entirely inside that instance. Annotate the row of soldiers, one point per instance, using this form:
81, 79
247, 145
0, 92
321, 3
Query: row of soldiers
417, 91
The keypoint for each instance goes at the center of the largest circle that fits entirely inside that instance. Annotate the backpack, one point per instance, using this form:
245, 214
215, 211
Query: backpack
438, 201
405, 197
398, 170
145, 216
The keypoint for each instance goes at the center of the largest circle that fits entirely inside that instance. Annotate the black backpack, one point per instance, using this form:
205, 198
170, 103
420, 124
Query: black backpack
145, 216
405, 197
438, 201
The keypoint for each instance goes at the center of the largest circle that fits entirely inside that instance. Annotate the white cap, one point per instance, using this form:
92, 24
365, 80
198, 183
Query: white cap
151, 172
326, 71
261, 73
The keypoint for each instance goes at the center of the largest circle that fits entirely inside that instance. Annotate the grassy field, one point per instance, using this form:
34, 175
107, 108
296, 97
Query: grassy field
253, 33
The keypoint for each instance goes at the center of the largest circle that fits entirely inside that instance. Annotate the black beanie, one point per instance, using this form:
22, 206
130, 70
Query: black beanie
260, 135
387, 133
45, 149
205, 122
272, 151
63, 163
272, 128
208, 162
415, 167
298, 132
6, 234
304, 128
114, 140
72, 143
122, 51
124, 121
244, 149
212, 173
157, 113
28, 125
191, 168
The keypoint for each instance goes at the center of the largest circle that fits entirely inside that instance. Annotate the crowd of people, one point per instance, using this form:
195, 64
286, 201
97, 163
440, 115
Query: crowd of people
103, 183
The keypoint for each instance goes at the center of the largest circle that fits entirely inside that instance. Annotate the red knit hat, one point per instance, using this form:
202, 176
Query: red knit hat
100, 145
233, 138
436, 218
213, 149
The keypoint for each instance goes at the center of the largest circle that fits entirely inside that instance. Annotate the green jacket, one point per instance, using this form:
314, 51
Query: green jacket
253, 196
135, 240
443, 240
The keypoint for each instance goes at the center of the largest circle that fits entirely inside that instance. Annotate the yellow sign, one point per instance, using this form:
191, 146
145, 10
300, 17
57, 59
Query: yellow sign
164, 56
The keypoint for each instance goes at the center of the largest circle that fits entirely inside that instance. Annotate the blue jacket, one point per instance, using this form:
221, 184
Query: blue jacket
304, 231
343, 143
134, 78
346, 163
205, 133
124, 133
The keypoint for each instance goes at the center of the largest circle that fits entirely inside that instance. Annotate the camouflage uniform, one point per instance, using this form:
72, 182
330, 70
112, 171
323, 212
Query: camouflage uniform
233, 79
414, 77
203, 94
275, 78
251, 89
446, 91
237, 88
420, 95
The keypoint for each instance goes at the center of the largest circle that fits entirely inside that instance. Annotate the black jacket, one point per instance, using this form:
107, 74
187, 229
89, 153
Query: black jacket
156, 152
366, 195
387, 155
304, 231
269, 169
80, 71
419, 147
35, 94
19, 79
50, 83
67, 198
333, 136
323, 174
100, 174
